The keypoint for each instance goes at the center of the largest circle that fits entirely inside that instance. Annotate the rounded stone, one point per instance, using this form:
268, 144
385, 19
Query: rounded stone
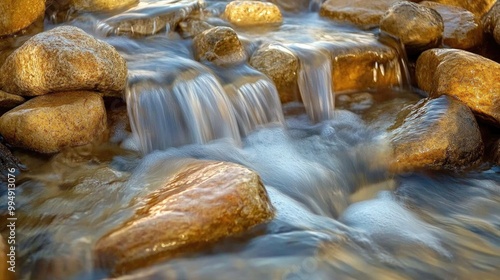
491, 22
19, 14
49, 123
219, 45
477, 7
246, 13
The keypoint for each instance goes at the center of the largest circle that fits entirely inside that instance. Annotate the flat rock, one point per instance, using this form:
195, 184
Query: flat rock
462, 29
8, 100
419, 28
52, 122
19, 14
63, 59
365, 14
219, 45
247, 13
436, 134
491, 22
468, 77
477, 7
201, 203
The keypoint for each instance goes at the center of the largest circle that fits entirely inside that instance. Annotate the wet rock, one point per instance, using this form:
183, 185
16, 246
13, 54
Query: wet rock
477, 7
101, 5
245, 13
8, 100
462, 30
419, 28
201, 203
150, 18
281, 65
491, 22
219, 45
468, 77
63, 59
365, 14
19, 14
51, 122
192, 27
436, 134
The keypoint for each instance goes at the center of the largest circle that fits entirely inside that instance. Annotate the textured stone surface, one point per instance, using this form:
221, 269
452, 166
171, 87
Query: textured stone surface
365, 14
491, 22
439, 133
282, 66
245, 13
63, 59
471, 78
8, 100
462, 29
51, 122
101, 5
19, 14
192, 27
201, 203
219, 45
477, 7
418, 27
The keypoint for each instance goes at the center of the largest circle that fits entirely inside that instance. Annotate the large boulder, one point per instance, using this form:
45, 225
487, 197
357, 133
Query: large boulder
491, 22
436, 134
52, 122
247, 13
16, 15
469, 77
63, 59
419, 28
462, 29
219, 45
201, 203
477, 7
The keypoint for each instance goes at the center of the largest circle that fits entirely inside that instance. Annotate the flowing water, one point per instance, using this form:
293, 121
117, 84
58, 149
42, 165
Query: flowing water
340, 213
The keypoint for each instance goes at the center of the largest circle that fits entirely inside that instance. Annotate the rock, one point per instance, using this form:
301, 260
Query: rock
219, 45
439, 133
419, 28
281, 65
8, 100
202, 202
477, 7
8, 161
365, 14
192, 27
150, 18
491, 22
101, 5
468, 77
462, 30
247, 13
4, 265
19, 14
52, 122
63, 59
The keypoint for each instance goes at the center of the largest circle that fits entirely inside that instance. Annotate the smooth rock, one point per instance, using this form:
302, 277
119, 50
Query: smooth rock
281, 65
219, 45
247, 13
19, 14
419, 28
201, 203
477, 7
491, 22
469, 77
8, 100
63, 59
462, 29
192, 27
52, 122
436, 134
365, 14
101, 5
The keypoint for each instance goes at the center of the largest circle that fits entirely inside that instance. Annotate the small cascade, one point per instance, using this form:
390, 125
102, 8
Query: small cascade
401, 61
315, 81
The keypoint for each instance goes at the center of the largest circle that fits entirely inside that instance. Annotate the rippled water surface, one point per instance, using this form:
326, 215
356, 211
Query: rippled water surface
340, 213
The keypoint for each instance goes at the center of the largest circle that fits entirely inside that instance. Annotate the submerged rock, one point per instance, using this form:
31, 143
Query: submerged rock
365, 14
477, 7
462, 29
418, 27
8, 100
491, 22
436, 134
219, 45
63, 59
19, 14
471, 78
192, 27
202, 202
51, 122
245, 13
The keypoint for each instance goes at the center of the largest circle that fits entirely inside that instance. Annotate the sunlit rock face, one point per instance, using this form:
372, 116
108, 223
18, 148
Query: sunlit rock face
491, 22
63, 59
439, 133
100, 5
248, 13
19, 14
468, 77
219, 45
52, 122
462, 29
477, 7
8, 100
201, 203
